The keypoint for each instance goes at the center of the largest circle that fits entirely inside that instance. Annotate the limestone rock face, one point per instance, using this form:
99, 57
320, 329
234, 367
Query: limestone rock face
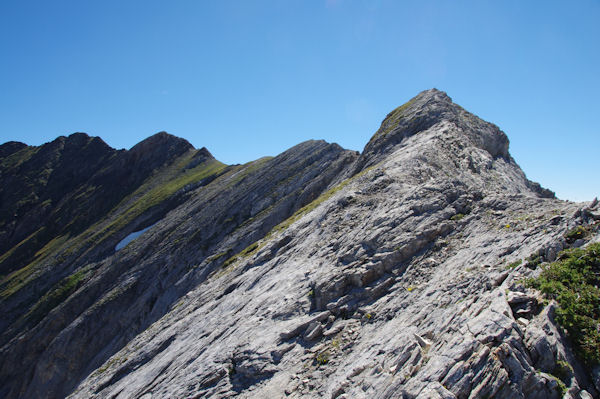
428, 109
317, 273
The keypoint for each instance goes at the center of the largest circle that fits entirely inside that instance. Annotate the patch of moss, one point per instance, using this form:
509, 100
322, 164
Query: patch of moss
514, 264
322, 198
23, 243
249, 250
573, 281
457, 217
15, 281
562, 388
51, 247
322, 358
217, 256
117, 360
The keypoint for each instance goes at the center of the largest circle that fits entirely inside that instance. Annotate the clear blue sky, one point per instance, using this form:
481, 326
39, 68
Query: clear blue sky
252, 78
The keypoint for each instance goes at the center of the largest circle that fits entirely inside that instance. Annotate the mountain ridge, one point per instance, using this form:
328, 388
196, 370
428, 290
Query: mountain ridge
314, 247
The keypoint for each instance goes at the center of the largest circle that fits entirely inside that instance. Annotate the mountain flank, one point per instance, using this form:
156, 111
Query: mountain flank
415, 269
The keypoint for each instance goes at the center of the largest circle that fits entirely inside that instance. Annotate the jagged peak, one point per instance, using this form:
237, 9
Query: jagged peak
434, 94
81, 140
157, 149
427, 109
204, 153
78, 136
76, 140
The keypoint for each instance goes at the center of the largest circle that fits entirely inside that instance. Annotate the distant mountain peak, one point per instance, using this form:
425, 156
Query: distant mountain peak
434, 94
158, 149
11, 147
162, 138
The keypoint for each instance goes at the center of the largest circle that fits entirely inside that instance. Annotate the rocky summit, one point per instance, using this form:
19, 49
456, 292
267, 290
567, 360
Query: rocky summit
419, 268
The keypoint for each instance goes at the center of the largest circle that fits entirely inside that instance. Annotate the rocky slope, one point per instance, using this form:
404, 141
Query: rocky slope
394, 273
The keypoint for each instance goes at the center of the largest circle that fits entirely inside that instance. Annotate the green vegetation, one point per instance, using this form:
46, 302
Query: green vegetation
575, 234
255, 247
563, 371
19, 157
17, 279
391, 120
118, 360
51, 246
248, 168
249, 250
573, 281
217, 256
514, 264
151, 194
228, 265
56, 296
534, 260
322, 358
322, 198
561, 387
457, 217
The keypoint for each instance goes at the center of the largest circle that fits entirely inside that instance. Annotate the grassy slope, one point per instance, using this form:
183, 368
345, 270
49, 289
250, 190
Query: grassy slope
158, 188
255, 247
391, 121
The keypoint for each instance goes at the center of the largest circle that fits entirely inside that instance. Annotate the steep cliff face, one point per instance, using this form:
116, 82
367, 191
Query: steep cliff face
398, 272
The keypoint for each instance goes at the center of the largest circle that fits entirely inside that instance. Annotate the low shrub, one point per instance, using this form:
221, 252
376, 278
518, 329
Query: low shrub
575, 234
573, 281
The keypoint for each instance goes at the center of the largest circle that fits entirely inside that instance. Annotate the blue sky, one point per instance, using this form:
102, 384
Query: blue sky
253, 78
